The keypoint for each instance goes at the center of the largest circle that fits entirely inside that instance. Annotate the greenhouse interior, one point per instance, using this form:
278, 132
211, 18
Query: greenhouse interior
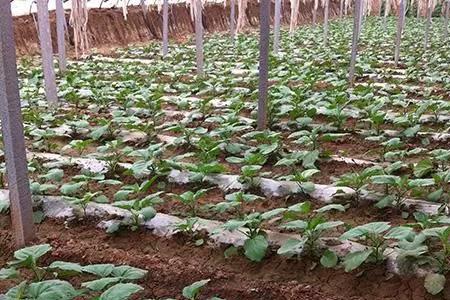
225, 149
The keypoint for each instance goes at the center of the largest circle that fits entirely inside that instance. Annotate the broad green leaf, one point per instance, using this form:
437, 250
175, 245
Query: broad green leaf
8, 273
354, 259
4, 203
129, 273
375, 227
329, 259
32, 253
51, 290
120, 291
66, 266
255, 248
423, 168
148, 213
399, 233
291, 247
192, 291
100, 284
101, 270
70, 189
434, 283
338, 207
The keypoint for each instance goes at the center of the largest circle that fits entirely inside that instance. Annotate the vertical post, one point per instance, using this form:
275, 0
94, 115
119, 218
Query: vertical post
165, 29
60, 31
400, 23
341, 8
361, 17
314, 15
12, 128
264, 35
46, 52
325, 22
357, 15
427, 25
276, 26
199, 36
386, 13
233, 21
446, 15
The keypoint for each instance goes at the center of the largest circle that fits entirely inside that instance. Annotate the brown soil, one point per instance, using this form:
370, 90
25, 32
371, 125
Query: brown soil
107, 27
173, 264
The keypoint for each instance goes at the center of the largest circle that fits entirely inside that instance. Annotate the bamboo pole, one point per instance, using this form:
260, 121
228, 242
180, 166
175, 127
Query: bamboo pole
13, 137
264, 35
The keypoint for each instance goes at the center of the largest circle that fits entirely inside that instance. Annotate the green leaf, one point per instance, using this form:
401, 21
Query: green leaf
423, 168
8, 273
329, 259
4, 203
192, 291
272, 213
129, 273
255, 248
100, 284
385, 179
52, 290
113, 227
328, 225
310, 159
374, 227
120, 291
421, 182
101, 270
338, 207
70, 189
54, 174
66, 266
354, 259
399, 233
434, 283
31, 254
295, 225
148, 213
18, 291
291, 247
